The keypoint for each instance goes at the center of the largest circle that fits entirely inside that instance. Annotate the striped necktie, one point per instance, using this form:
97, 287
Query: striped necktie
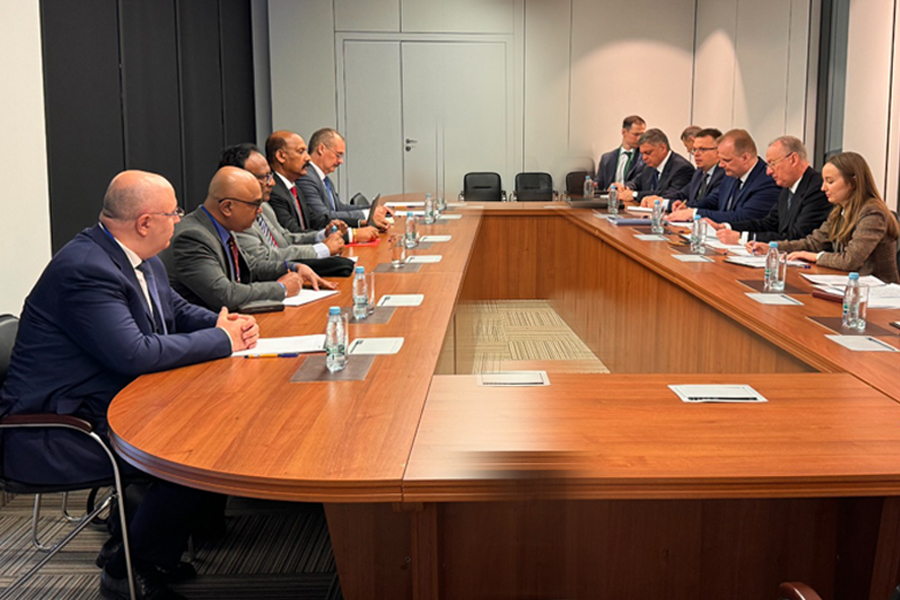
330, 190
266, 231
235, 257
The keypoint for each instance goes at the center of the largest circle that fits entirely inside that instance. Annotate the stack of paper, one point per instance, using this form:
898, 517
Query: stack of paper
306, 296
286, 346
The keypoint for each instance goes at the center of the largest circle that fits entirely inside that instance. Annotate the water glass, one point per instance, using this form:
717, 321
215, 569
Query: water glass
860, 324
780, 277
370, 287
398, 251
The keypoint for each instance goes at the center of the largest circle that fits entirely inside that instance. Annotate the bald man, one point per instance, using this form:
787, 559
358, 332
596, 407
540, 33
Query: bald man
207, 266
101, 314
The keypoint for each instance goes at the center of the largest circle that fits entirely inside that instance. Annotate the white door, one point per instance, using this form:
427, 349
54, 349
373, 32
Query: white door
443, 107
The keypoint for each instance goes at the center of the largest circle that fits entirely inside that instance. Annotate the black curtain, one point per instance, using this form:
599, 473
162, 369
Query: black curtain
159, 85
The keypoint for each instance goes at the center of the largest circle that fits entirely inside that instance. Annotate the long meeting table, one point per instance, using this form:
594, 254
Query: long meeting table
596, 486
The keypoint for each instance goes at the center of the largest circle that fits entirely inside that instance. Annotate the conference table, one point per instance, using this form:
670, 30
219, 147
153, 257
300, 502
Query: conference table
595, 486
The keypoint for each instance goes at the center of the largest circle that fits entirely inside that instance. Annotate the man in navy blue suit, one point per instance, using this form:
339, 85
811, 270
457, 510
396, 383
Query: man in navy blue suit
102, 314
664, 172
746, 192
625, 162
706, 178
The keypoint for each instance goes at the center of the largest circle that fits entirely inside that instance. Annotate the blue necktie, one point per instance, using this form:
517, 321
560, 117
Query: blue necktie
158, 320
330, 193
655, 179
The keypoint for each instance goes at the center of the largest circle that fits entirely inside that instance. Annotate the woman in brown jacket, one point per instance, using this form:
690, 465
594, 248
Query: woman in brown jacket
860, 234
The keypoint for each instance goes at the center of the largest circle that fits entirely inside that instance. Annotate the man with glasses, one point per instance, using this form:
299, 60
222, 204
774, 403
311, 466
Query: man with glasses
206, 265
707, 176
102, 314
802, 205
317, 189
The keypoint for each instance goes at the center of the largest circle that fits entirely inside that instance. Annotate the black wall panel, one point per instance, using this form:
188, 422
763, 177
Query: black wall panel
237, 71
83, 109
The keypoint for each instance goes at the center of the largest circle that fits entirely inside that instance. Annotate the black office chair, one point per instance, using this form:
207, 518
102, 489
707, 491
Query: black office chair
575, 182
483, 187
8, 328
794, 590
534, 187
359, 200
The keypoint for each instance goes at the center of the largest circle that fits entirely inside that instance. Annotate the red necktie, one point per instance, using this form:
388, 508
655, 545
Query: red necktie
232, 245
299, 208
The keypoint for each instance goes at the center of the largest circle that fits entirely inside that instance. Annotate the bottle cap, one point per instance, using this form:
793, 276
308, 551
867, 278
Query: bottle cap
773, 244
696, 217
656, 203
334, 310
409, 214
854, 275
360, 270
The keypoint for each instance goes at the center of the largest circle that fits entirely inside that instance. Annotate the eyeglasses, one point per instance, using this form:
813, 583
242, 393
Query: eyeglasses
340, 155
267, 178
178, 212
256, 204
775, 162
697, 149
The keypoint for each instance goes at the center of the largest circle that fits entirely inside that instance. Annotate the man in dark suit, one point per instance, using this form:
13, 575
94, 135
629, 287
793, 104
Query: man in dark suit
664, 171
707, 176
801, 207
624, 163
322, 201
206, 265
287, 155
101, 314
747, 192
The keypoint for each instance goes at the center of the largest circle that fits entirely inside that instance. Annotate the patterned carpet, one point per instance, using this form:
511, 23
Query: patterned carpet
272, 551
509, 333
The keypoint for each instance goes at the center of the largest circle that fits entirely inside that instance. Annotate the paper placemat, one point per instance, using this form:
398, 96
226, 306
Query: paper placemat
433, 239
862, 343
773, 299
651, 237
392, 300
834, 324
384, 345
446, 217
314, 369
406, 268
424, 259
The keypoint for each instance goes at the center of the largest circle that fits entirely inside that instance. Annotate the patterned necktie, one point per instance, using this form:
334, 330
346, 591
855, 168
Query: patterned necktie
330, 189
790, 199
299, 208
158, 322
266, 231
235, 262
704, 186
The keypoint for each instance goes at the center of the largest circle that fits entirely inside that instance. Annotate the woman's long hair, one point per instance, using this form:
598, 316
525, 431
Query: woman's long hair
856, 172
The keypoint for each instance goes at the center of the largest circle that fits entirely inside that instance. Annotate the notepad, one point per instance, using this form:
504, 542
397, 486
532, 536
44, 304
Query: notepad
695, 258
401, 300
376, 345
651, 237
446, 217
395, 204
431, 239
306, 296
774, 299
717, 393
514, 378
424, 258
862, 343
297, 344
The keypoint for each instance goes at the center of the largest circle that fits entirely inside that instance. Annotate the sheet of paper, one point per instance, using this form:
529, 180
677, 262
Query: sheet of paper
425, 258
293, 345
639, 209
774, 299
690, 258
514, 378
457, 204
862, 343
306, 296
882, 296
394, 204
687, 224
841, 280
450, 217
431, 239
353, 258
651, 237
401, 300
759, 262
717, 393
463, 205
376, 346
555, 206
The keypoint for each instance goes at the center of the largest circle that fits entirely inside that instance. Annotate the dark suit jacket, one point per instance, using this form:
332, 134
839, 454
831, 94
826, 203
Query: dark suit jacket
690, 193
318, 204
754, 200
809, 209
675, 175
285, 207
85, 333
606, 169
200, 271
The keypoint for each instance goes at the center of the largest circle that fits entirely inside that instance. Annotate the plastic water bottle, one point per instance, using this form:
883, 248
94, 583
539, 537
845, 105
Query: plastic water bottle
335, 341
588, 191
429, 210
612, 206
412, 236
697, 235
656, 220
770, 279
851, 302
360, 294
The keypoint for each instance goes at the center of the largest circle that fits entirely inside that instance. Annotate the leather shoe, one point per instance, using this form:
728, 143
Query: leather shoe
111, 546
146, 587
180, 572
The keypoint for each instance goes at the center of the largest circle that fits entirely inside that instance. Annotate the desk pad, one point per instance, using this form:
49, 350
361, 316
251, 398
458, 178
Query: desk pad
834, 324
686, 249
407, 268
313, 369
757, 284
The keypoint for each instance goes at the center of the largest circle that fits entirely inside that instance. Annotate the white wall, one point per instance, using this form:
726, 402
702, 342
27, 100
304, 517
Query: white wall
25, 200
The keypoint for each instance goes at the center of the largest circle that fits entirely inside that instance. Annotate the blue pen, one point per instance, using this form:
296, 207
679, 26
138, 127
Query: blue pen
279, 355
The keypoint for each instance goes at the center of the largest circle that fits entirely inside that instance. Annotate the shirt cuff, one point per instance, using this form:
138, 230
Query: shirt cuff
819, 255
320, 236
727, 226
322, 250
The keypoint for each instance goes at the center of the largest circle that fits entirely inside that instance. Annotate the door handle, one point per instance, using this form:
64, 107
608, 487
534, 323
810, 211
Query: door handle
409, 141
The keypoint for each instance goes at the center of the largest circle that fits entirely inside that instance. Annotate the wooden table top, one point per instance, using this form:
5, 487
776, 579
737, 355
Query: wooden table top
239, 426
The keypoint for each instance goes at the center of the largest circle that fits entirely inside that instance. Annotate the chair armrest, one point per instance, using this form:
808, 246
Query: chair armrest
45, 420
794, 590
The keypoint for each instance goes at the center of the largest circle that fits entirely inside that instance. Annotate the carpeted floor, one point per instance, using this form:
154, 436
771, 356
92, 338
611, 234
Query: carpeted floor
271, 551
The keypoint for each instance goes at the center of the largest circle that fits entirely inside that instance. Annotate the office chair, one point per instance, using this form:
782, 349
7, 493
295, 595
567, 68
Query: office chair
359, 200
794, 590
534, 187
483, 187
575, 182
9, 325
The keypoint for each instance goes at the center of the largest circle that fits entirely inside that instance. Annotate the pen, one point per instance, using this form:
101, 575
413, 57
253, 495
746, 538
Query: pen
880, 343
356, 344
274, 355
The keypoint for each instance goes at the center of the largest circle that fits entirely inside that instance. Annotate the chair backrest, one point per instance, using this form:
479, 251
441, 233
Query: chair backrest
359, 200
9, 326
794, 590
575, 182
482, 187
534, 187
